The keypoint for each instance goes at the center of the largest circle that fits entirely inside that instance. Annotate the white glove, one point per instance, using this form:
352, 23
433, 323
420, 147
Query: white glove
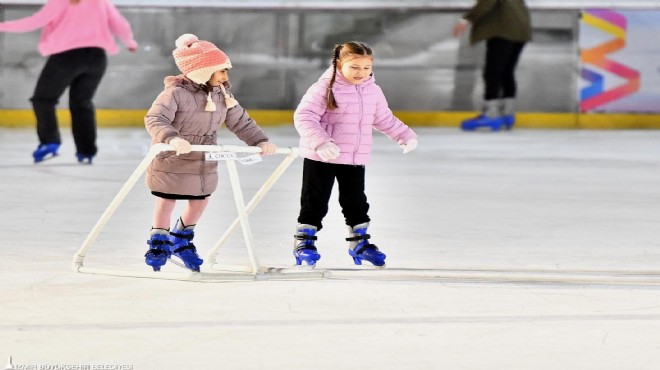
328, 151
181, 146
267, 148
408, 146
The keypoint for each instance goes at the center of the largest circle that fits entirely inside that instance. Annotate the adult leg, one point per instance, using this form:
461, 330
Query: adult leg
509, 85
495, 64
497, 57
55, 77
93, 64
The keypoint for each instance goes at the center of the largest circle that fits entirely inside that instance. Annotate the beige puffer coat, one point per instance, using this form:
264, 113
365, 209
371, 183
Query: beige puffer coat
179, 112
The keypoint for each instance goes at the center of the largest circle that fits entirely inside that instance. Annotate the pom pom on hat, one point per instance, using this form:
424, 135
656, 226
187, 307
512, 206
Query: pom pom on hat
198, 59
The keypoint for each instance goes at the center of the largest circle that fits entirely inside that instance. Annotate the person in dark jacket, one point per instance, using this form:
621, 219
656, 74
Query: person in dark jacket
505, 26
190, 111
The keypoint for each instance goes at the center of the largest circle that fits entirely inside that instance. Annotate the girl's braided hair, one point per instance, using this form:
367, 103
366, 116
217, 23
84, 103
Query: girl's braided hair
342, 52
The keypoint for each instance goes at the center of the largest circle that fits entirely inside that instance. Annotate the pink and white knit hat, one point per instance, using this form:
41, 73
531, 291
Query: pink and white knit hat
198, 59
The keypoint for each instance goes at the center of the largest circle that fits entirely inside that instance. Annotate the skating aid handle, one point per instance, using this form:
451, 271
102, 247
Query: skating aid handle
157, 148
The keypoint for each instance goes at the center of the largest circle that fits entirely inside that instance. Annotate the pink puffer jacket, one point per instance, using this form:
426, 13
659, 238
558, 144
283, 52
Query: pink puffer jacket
360, 109
179, 111
66, 26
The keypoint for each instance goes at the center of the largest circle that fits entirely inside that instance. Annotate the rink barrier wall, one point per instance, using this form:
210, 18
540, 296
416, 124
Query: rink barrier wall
19, 118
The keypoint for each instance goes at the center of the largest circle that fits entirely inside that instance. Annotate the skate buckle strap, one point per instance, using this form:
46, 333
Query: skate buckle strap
365, 247
305, 237
358, 237
158, 248
303, 247
157, 242
190, 246
182, 236
155, 252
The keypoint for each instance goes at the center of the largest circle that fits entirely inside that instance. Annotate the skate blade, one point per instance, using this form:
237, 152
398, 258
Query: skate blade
304, 267
46, 158
179, 263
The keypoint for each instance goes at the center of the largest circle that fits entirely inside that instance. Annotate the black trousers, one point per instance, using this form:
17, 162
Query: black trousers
81, 70
318, 180
499, 71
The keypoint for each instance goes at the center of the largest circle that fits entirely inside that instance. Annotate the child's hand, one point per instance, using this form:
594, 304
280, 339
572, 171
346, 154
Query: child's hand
267, 148
328, 151
181, 146
408, 146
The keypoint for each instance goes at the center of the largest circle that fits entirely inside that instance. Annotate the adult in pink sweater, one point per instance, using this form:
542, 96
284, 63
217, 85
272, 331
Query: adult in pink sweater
335, 120
76, 35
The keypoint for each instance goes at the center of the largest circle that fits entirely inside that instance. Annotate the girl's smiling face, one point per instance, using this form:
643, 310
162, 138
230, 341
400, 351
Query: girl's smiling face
219, 77
356, 70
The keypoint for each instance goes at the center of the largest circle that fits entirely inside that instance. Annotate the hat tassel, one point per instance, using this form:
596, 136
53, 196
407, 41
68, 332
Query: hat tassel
229, 100
210, 105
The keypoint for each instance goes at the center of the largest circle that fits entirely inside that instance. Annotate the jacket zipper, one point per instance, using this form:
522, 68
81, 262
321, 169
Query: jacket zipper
359, 123
203, 162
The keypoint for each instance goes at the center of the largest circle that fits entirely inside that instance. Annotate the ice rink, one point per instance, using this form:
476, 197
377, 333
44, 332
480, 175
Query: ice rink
529, 249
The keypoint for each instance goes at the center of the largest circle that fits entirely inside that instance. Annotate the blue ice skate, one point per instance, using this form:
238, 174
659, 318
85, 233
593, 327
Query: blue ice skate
304, 249
45, 151
483, 121
159, 251
508, 120
84, 158
183, 248
360, 248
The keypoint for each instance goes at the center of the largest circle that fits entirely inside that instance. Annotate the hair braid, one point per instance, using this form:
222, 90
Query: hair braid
332, 103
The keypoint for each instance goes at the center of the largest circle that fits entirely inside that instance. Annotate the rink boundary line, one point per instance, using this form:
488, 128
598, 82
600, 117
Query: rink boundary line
523, 276
367, 273
110, 118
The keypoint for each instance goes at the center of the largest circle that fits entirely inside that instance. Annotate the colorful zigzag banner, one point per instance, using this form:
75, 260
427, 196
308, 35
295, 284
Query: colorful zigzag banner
596, 94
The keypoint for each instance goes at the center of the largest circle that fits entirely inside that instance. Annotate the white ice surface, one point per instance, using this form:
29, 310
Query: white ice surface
528, 249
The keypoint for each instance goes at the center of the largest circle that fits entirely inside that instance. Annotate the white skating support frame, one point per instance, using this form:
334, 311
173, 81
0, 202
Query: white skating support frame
213, 272
218, 272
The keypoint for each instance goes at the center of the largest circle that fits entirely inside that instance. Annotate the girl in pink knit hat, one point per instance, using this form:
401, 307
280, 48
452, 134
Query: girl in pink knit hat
76, 36
190, 111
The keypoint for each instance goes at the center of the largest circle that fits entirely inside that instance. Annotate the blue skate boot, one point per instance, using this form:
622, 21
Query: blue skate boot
490, 117
84, 158
508, 120
483, 121
360, 249
45, 150
508, 112
183, 248
159, 249
303, 247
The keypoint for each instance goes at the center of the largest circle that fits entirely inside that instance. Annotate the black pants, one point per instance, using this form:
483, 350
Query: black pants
81, 70
318, 179
499, 72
